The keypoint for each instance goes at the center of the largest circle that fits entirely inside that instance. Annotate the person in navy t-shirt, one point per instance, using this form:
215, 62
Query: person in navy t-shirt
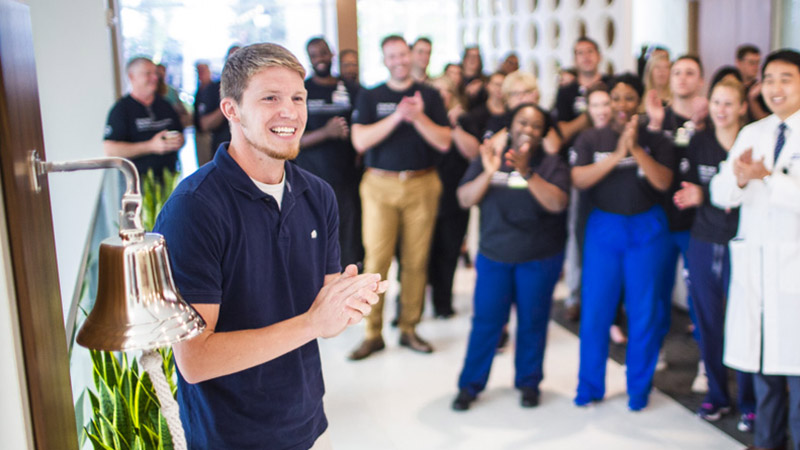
142, 126
254, 249
325, 148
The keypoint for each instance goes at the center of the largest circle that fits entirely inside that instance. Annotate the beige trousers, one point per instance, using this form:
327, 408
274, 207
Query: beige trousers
395, 208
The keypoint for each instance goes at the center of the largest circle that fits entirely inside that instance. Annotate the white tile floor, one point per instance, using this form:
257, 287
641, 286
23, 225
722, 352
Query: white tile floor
399, 400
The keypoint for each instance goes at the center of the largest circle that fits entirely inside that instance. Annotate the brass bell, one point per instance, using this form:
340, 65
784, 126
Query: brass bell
138, 306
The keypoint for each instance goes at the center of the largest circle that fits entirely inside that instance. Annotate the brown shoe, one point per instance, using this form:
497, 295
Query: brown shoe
414, 342
367, 347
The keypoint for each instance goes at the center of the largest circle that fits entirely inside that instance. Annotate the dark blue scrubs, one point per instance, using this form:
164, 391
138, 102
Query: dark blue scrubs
521, 253
625, 250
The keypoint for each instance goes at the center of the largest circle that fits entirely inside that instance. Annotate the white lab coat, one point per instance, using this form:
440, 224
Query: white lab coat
765, 254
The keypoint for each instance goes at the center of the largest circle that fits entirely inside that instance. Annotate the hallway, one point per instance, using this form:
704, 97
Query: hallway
399, 400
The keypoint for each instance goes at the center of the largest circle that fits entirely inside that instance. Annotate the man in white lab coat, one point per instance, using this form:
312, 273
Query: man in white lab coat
762, 325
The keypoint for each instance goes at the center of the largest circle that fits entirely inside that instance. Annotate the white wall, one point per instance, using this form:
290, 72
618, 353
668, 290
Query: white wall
15, 426
76, 89
650, 26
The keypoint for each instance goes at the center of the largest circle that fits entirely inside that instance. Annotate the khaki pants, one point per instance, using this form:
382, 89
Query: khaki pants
396, 208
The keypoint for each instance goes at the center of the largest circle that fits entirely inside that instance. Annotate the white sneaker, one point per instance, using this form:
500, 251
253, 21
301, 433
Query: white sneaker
661, 364
700, 383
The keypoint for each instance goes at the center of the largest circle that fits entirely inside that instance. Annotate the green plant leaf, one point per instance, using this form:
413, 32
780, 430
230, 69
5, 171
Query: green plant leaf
150, 436
94, 401
165, 437
97, 442
122, 419
138, 443
114, 435
105, 412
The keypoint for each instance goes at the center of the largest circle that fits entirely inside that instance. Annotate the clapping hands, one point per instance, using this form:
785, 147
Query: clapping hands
410, 108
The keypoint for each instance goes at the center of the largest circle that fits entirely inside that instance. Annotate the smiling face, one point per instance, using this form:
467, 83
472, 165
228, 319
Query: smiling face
471, 62
272, 114
686, 78
397, 58
660, 73
781, 88
600, 108
527, 126
455, 74
321, 58
624, 102
587, 58
143, 78
726, 107
520, 92
494, 88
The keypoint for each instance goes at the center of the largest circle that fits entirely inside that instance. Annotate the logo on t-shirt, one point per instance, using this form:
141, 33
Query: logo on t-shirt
320, 106
628, 161
384, 109
705, 173
147, 124
684, 165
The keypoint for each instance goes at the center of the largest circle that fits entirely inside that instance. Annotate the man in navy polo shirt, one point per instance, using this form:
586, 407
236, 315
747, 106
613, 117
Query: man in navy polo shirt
401, 127
142, 126
254, 248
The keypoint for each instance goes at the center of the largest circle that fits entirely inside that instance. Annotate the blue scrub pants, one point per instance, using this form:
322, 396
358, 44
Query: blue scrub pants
775, 406
622, 253
710, 269
679, 245
530, 286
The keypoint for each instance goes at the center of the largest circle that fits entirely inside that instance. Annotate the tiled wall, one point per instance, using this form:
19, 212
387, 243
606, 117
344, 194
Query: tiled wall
542, 32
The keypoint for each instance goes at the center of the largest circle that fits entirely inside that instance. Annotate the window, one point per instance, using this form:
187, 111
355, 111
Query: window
178, 33
411, 19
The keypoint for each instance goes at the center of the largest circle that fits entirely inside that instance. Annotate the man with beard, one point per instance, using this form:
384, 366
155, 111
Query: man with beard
326, 150
401, 127
255, 251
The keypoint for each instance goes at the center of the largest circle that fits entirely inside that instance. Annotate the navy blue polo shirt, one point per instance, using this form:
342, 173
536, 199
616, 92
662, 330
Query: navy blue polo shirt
231, 245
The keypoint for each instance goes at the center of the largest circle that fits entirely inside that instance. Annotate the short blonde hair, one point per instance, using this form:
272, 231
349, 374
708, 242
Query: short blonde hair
247, 61
518, 76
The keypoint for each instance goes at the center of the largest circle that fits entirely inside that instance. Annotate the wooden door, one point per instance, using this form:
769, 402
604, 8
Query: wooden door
32, 244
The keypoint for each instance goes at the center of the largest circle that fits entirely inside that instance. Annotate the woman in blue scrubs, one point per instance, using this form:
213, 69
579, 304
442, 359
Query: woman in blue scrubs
624, 169
522, 193
709, 256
